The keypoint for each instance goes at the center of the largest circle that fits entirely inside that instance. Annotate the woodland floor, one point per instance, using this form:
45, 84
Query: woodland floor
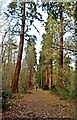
39, 105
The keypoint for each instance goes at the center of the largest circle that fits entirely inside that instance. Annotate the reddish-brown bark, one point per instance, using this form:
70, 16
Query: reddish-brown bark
60, 65
51, 72
43, 78
16, 73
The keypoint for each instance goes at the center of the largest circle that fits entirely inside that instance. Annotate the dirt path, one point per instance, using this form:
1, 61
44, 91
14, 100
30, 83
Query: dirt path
39, 105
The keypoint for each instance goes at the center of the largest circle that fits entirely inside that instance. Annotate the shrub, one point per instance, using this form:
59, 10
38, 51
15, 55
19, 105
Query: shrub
64, 93
5, 96
46, 87
54, 90
73, 94
67, 94
22, 89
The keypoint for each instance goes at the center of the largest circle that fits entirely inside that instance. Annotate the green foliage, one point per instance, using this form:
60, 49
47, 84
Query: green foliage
66, 93
6, 95
7, 75
54, 90
50, 41
37, 77
22, 80
46, 87
73, 95
22, 89
12, 6
31, 61
28, 66
13, 12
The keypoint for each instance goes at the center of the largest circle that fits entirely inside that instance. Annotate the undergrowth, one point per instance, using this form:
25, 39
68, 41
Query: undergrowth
64, 93
46, 87
6, 95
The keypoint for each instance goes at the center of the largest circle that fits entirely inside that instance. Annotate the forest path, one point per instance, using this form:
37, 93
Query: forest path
39, 105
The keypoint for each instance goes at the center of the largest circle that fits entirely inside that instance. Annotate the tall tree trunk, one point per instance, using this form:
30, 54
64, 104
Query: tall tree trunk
15, 78
51, 72
2, 53
51, 67
46, 75
43, 80
9, 53
60, 65
50, 78
30, 77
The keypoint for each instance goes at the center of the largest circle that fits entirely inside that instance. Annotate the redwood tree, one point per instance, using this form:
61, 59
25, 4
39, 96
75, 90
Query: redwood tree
16, 73
31, 59
60, 64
